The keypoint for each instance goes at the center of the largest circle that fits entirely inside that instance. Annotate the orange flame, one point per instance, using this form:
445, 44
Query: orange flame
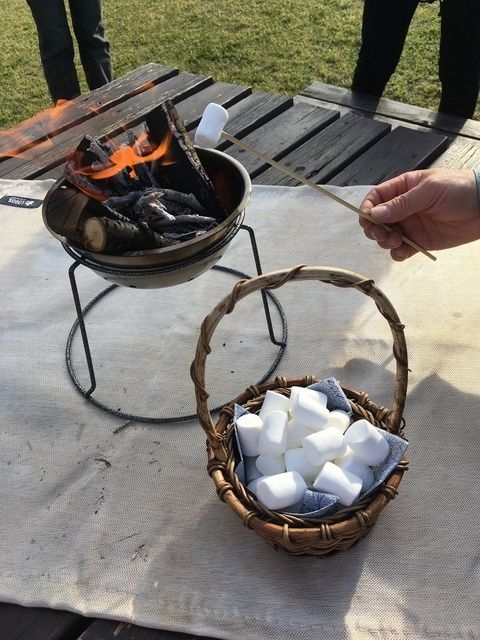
33, 135
129, 156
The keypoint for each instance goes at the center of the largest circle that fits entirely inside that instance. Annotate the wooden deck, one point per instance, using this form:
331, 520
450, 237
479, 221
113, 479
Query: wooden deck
327, 134
463, 136
321, 134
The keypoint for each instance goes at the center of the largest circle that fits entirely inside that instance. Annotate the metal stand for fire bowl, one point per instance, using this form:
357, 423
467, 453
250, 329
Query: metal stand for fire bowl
108, 270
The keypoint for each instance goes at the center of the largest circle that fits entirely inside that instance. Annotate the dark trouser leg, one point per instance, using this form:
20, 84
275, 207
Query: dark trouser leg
385, 26
56, 48
93, 45
459, 64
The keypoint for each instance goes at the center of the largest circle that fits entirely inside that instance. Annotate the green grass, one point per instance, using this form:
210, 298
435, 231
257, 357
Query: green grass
279, 46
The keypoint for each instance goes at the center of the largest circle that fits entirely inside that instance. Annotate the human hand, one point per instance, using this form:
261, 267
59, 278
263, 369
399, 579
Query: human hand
435, 208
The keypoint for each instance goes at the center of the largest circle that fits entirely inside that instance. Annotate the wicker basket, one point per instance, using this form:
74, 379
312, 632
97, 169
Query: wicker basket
294, 534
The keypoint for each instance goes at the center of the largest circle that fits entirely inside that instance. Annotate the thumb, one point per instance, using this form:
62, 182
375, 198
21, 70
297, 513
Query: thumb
400, 207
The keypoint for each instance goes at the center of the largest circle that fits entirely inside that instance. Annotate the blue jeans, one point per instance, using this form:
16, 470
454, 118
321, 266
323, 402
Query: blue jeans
56, 45
384, 30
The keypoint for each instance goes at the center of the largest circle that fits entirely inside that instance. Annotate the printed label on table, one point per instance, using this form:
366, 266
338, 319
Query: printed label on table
20, 201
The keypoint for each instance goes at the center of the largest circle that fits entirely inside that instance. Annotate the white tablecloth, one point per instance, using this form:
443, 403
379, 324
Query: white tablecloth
124, 523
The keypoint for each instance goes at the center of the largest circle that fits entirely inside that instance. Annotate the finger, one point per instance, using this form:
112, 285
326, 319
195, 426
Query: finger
403, 252
386, 239
371, 230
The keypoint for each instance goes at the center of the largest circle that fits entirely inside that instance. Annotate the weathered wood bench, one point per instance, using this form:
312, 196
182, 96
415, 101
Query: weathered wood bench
326, 142
462, 135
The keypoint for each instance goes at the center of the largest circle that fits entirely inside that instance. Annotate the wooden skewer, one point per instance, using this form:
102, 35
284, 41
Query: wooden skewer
293, 174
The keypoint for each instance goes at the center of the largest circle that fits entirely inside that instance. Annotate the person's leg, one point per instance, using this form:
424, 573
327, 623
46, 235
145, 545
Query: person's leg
459, 62
56, 48
385, 25
93, 45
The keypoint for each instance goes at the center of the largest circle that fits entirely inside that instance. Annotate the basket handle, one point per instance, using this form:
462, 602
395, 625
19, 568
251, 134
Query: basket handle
274, 280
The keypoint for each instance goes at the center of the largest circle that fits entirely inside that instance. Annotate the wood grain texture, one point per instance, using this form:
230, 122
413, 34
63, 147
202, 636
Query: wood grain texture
325, 154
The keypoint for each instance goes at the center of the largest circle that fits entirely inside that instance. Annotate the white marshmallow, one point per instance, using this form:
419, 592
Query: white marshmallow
351, 463
324, 445
343, 484
367, 442
296, 460
273, 402
282, 490
210, 127
316, 395
251, 470
309, 411
252, 486
338, 419
249, 427
270, 465
296, 432
273, 436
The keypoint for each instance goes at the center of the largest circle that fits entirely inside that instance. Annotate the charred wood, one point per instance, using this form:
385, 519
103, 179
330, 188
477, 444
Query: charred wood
111, 236
181, 168
143, 171
162, 200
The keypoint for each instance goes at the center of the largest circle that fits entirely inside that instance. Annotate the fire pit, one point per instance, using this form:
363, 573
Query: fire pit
184, 203
75, 202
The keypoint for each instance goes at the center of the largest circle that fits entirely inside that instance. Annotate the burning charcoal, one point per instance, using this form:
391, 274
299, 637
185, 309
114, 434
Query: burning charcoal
90, 158
181, 235
186, 199
142, 170
94, 150
152, 209
123, 203
188, 219
95, 190
105, 235
182, 168
202, 221
140, 206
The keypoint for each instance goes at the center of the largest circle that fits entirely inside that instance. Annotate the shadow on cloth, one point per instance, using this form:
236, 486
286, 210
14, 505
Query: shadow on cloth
222, 568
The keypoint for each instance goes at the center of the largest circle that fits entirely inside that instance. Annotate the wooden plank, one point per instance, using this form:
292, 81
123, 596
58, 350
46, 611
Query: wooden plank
43, 157
282, 134
109, 630
402, 150
362, 103
32, 623
191, 109
251, 113
51, 122
329, 151
462, 153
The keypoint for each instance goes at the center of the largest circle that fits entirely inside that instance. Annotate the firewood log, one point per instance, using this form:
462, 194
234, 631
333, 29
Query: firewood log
68, 211
104, 235
180, 168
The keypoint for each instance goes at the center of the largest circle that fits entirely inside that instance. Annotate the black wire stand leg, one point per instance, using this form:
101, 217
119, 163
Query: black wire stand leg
79, 323
258, 266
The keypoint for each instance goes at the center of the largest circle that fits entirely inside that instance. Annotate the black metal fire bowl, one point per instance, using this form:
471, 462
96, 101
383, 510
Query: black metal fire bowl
166, 266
